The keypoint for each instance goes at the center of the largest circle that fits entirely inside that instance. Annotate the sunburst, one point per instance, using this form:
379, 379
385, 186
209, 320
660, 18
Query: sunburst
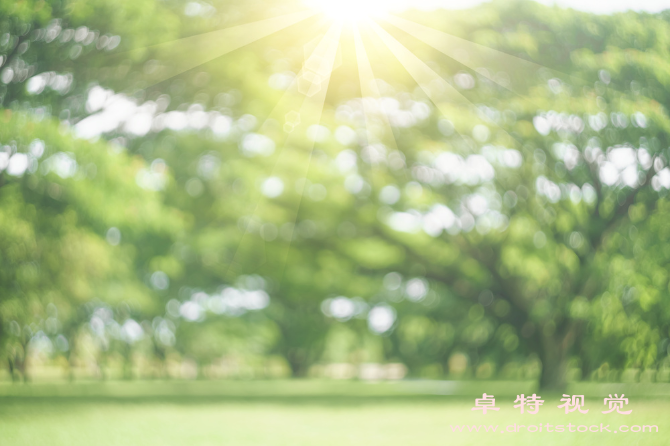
351, 11
361, 18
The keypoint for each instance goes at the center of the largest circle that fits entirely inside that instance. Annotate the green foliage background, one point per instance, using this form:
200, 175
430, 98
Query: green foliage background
111, 263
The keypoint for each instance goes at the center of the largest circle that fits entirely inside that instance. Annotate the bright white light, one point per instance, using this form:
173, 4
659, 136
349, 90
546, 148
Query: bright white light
342, 308
18, 164
272, 187
381, 318
131, 331
351, 10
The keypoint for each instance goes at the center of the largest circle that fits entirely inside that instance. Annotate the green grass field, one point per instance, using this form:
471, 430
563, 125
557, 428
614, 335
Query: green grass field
301, 414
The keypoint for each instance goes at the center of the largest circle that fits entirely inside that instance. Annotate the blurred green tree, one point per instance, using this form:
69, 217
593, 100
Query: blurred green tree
518, 229
75, 229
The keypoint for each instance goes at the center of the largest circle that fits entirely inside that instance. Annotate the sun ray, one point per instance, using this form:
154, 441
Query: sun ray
288, 101
293, 161
282, 119
370, 90
192, 51
510, 72
438, 90
435, 87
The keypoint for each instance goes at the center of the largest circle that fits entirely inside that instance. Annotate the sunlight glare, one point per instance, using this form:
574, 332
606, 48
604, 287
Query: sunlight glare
351, 10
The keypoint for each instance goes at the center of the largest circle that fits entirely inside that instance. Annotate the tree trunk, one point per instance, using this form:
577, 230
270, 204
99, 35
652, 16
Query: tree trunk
554, 355
127, 362
554, 364
21, 365
21, 362
10, 363
297, 360
71, 361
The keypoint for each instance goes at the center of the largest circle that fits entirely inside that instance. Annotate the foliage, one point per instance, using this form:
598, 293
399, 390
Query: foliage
528, 228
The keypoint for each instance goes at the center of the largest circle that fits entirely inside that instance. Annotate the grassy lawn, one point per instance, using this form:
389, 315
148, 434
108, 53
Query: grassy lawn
297, 414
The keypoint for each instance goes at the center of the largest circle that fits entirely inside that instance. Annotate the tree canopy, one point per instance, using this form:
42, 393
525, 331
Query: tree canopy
198, 215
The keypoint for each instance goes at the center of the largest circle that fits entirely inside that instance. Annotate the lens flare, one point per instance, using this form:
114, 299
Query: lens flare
351, 10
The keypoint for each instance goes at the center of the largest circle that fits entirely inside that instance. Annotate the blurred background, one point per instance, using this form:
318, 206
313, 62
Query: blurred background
474, 196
